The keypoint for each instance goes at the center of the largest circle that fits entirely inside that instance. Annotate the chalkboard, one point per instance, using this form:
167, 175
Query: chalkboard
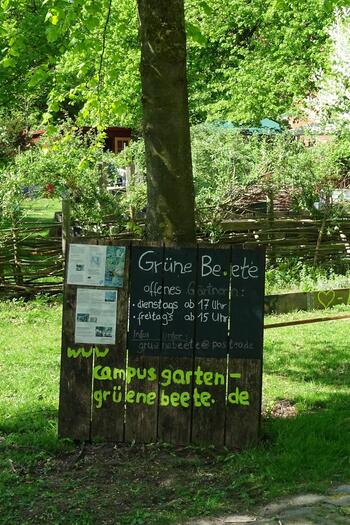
174, 417
162, 301
186, 360
144, 344
247, 303
212, 302
146, 301
175, 295
179, 301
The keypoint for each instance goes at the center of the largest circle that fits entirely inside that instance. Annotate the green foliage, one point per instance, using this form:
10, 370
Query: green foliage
65, 165
222, 158
292, 275
133, 154
245, 60
340, 150
309, 170
27, 57
255, 59
80, 58
133, 202
12, 125
227, 163
97, 73
330, 103
58, 53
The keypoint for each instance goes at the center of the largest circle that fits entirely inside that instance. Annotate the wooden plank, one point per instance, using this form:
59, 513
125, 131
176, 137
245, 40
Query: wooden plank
245, 347
109, 394
247, 303
144, 342
243, 409
74, 420
210, 366
176, 362
306, 321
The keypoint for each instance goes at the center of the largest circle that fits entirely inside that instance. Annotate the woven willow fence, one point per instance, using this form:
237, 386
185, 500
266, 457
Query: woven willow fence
306, 238
31, 259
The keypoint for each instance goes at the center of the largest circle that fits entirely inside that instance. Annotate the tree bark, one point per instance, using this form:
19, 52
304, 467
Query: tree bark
170, 211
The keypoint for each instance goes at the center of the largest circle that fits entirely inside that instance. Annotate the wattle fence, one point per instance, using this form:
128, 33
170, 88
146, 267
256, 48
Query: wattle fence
306, 238
31, 259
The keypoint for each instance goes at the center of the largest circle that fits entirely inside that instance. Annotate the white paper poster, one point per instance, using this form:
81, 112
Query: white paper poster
96, 265
96, 316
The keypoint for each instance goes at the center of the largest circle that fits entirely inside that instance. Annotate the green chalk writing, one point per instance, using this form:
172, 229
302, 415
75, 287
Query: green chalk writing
74, 353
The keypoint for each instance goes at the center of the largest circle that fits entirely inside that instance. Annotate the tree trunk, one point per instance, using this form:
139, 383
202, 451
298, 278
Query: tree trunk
170, 211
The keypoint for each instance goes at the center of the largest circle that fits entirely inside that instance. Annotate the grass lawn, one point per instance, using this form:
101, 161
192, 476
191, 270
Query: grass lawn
38, 210
51, 482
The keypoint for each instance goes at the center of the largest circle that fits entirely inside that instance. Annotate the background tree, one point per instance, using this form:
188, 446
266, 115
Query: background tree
255, 59
332, 100
246, 60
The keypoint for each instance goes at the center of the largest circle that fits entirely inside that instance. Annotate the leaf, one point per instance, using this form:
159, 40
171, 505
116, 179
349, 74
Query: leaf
54, 20
52, 33
206, 8
54, 106
38, 76
51, 130
83, 164
85, 112
7, 62
119, 108
275, 7
92, 22
14, 52
196, 34
47, 117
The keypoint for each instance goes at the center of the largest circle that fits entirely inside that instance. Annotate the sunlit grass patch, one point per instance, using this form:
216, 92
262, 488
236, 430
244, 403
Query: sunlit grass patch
305, 445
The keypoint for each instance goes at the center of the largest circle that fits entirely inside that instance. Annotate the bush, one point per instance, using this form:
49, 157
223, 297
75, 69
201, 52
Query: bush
68, 165
293, 275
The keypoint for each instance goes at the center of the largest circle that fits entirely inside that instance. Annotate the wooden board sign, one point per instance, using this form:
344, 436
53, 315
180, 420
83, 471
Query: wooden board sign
182, 360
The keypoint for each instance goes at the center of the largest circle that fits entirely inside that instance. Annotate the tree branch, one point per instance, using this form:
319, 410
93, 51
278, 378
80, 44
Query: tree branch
104, 38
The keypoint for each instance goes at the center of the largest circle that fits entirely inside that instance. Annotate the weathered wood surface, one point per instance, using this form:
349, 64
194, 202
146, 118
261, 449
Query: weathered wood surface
79, 417
142, 418
74, 419
307, 321
243, 409
175, 400
208, 423
184, 374
108, 420
320, 300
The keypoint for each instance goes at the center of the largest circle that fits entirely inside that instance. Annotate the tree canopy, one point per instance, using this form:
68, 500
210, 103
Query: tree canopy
246, 59
331, 102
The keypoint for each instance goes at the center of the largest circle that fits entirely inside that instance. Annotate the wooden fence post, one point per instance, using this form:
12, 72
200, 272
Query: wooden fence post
17, 270
66, 224
129, 176
319, 239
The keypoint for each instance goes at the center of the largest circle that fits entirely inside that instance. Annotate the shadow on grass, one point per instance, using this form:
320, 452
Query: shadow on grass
328, 363
53, 482
30, 432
